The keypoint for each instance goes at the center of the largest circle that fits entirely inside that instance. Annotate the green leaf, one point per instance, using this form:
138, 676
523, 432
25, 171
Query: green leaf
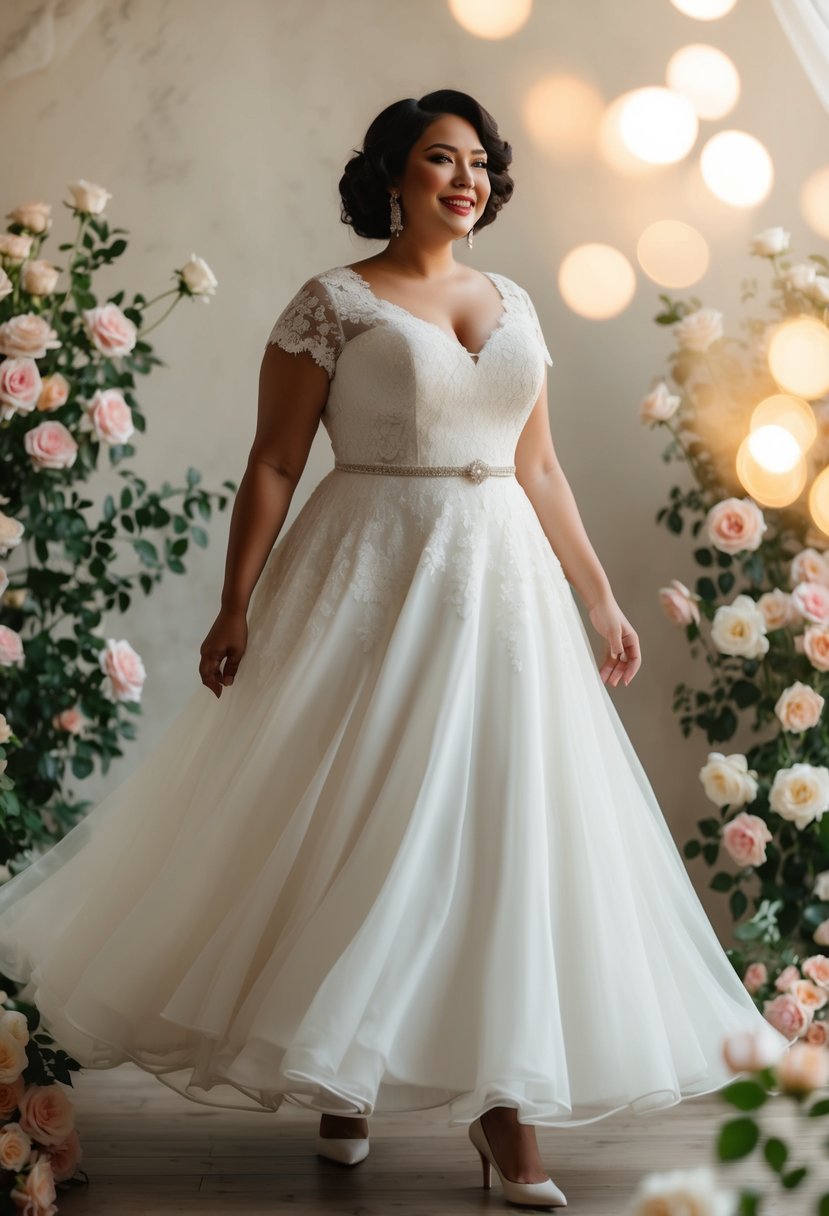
147, 551
737, 1139
725, 581
705, 588
692, 848
744, 692
745, 1095
776, 1153
704, 557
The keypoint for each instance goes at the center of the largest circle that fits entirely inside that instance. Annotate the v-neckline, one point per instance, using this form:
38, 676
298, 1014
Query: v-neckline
474, 357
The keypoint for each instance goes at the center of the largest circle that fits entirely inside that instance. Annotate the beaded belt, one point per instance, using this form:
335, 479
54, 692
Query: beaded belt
476, 470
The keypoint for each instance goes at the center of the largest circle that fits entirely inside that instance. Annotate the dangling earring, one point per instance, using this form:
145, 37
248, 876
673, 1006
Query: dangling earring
469, 236
396, 225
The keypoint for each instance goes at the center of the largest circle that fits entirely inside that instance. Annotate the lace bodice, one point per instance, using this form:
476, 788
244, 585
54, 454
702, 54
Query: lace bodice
402, 390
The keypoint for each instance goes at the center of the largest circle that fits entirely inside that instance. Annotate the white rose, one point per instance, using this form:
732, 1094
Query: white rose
198, 276
727, 780
699, 329
801, 276
770, 242
821, 888
16, 1024
682, 1192
819, 290
800, 794
659, 405
739, 628
88, 197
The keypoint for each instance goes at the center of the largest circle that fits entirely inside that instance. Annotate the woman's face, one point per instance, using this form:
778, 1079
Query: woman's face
447, 161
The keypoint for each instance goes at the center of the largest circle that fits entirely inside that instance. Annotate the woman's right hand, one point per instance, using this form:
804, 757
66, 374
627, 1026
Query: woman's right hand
227, 640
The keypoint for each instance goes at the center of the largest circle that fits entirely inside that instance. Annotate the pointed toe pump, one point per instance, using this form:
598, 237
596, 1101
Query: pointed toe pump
539, 1194
347, 1150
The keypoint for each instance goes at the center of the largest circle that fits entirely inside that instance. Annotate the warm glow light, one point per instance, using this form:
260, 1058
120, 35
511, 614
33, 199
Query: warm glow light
563, 114
819, 500
794, 414
658, 125
737, 168
704, 10
490, 18
774, 448
798, 355
767, 486
596, 281
707, 76
612, 148
814, 201
673, 254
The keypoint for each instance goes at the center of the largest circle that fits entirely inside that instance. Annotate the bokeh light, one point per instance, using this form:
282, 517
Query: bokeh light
707, 76
814, 201
794, 414
491, 18
563, 114
704, 10
759, 458
736, 168
658, 125
596, 281
819, 500
798, 355
611, 146
672, 253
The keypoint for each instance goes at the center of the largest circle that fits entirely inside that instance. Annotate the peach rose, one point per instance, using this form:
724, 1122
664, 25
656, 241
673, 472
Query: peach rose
787, 1015
735, 525
745, 838
50, 446
755, 977
752, 1050
800, 793
39, 277
70, 720
111, 332
727, 780
812, 602
11, 533
65, 1157
699, 329
88, 197
27, 334
20, 386
739, 628
6, 285
809, 566
54, 393
11, 647
821, 934
35, 215
15, 246
803, 1068
16, 1024
199, 278
777, 609
12, 1056
788, 976
124, 669
679, 603
10, 1094
108, 414
46, 1113
799, 707
811, 996
15, 1147
818, 1034
815, 644
36, 1197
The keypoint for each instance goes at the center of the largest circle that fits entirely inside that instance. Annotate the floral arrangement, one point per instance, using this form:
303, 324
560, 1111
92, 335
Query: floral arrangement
68, 370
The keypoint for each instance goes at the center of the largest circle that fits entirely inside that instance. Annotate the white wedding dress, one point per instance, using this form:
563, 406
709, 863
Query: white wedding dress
409, 858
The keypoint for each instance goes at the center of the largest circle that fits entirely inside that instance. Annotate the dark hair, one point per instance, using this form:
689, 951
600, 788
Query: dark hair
364, 186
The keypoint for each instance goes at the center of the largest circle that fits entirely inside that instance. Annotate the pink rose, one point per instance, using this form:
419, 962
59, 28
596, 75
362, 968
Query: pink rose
54, 393
109, 415
11, 647
816, 966
27, 334
46, 1113
50, 446
125, 671
64, 1157
814, 643
809, 566
787, 1015
817, 1034
788, 976
15, 1147
679, 603
803, 1069
812, 602
12, 1056
744, 838
20, 386
751, 1050
39, 277
111, 332
71, 720
10, 1094
799, 707
36, 1197
755, 977
735, 525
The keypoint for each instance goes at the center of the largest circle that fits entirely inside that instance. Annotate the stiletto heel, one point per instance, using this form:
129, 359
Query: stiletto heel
545, 1193
347, 1150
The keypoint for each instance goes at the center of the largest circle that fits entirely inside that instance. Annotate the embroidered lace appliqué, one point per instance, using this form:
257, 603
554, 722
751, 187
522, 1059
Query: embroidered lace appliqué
310, 323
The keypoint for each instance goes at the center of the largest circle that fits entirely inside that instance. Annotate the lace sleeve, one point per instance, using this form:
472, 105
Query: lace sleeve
309, 322
533, 315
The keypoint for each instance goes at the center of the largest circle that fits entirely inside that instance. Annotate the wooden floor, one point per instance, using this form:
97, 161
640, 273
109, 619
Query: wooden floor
149, 1150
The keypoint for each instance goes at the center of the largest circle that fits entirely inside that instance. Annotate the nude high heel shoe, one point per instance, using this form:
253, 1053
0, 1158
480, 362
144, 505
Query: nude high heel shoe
347, 1150
545, 1193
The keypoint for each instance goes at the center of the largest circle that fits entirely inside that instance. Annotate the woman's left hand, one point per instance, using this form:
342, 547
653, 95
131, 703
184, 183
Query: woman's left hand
623, 657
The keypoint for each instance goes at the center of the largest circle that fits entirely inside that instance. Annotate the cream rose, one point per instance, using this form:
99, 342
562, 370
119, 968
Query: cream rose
15, 1023
46, 1113
88, 197
12, 1056
11, 647
109, 416
6, 285
727, 780
812, 602
809, 566
4, 580
5, 729
816, 646
803, 1069
15, 246
50, 446
35, 215
111, 332
821, 890
800, 276
10, 1095
682, 1192
756, 975
777, 609
753, 1050
745, 838
770, 242
15, 1147
65, 1157
659, 405
36, 1195
819, 289
821, 934
11, 533
54, 393
27, 334
800, 793
787, 1015
20, 386
39, 277
199, 278
699, 329
679, 603
799, 707
735, 525
124, 669
739, 628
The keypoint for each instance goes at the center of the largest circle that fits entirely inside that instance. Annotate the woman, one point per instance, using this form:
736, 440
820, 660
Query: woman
412, 860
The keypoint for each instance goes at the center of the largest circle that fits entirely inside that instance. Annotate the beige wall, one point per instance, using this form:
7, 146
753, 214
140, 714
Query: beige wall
223, 128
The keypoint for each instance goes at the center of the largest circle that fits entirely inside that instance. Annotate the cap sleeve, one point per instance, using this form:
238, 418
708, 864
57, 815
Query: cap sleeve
533, 315
310, 323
